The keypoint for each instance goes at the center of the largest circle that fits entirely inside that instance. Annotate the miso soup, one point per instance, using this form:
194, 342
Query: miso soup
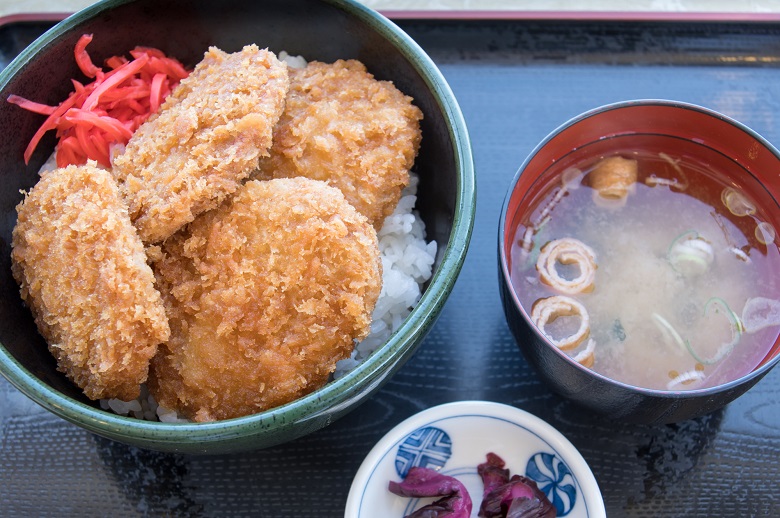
667, 250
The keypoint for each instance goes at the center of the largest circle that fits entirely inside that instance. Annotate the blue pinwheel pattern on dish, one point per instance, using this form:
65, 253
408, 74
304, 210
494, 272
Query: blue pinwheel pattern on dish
427, 447
555, 479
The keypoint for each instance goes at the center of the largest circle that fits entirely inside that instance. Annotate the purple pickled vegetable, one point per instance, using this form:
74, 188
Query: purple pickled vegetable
516, 497
425, 482
492, 473
534, 507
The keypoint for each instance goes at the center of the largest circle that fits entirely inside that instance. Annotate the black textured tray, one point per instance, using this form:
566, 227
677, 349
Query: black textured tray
516, 81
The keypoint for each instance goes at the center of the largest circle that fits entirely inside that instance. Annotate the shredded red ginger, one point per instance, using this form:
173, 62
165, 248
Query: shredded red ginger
108, 110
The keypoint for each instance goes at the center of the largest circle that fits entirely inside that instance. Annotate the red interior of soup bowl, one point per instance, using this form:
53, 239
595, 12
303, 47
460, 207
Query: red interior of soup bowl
731, 139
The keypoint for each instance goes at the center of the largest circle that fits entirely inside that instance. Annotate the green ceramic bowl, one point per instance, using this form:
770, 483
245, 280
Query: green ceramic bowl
323, 30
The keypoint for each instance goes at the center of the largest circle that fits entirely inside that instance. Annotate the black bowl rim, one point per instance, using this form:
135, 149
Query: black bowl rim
343, 392
757, 372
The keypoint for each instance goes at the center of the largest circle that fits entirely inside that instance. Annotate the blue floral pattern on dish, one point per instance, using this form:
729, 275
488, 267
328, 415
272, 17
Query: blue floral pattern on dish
555, 480
428, 447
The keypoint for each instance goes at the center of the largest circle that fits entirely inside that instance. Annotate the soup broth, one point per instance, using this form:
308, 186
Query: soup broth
684, 288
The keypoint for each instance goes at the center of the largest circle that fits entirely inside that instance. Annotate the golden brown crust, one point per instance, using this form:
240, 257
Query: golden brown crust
82, 270
265, 294
342, 126
205, 140
614, 177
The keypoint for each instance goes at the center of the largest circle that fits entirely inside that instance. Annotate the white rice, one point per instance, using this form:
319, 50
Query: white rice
407, 263
145, 407
292, 61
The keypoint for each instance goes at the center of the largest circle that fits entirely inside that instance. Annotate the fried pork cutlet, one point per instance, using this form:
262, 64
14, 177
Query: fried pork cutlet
342, 126
265, 295
206, 138
83, 273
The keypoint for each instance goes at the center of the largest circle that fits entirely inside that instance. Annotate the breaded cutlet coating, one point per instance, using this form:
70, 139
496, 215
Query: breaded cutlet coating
83, 273
206, 138
265, 294
342, 126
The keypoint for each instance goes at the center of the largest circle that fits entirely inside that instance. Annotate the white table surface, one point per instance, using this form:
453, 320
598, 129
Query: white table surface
13, 7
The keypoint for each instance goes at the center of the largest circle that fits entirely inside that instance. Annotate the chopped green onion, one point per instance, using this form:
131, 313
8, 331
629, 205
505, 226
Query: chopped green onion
692, 258
737, 202
685, 235
765, 233
690, 254
726, 347
668, 330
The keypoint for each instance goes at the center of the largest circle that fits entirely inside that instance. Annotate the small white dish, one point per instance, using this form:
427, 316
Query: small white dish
454, 438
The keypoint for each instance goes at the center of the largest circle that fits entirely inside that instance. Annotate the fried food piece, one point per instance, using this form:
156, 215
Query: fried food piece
204, 141
265, 294
342, 126
82, 271
587, 356
545, 311
613, 179
567, 251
